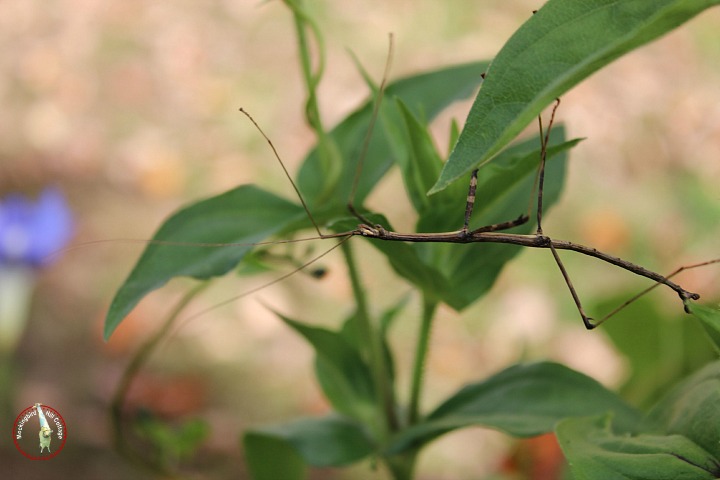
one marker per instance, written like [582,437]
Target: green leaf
[343,374]
[524,401]
[669,349]
[244,215]
[692,409]
[426,93]
[173,442]
[270,457]
[559,46]
[421,165]
[594,452]
[330,441]
[709,319]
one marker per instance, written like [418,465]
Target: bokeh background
[131,108]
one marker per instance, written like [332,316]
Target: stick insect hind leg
[589,322]
[544,140]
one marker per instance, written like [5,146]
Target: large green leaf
[330,441]
[595,452]
[559,46]
[425,94]
[523,400]
[244,215]
[670,348]
[692,409]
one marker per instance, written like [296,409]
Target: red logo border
[32,457]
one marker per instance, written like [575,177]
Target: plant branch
[376,357]
[421,351]
[141,357]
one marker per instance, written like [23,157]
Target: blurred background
[131,110]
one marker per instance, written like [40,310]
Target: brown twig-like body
[532,241]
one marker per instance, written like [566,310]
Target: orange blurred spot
[605,230]
[537,458]
[168,397]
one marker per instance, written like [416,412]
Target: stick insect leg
[587,321]
[544,141]
[470,201]
[469,209]
[368,136]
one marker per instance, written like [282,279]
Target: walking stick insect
[491,233]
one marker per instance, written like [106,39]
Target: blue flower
[31,231]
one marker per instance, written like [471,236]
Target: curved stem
[376,357]
[421,351]
[329,154]
[141,357]
[312,78]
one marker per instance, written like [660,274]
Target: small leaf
[559,46]
[594,452]
[330,441]
[246,214]
[523,400]
[709,319]
[421,165]
[270,457]
[428,93]
[343,374]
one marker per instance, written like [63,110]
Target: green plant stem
[402,467]
[421,350]
[376,357]
[329,154]
[312,78]
[120,440]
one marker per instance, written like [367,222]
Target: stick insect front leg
[544,140]
[496,227]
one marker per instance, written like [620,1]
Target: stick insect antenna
[368,135]
[287,174]
[264,285]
